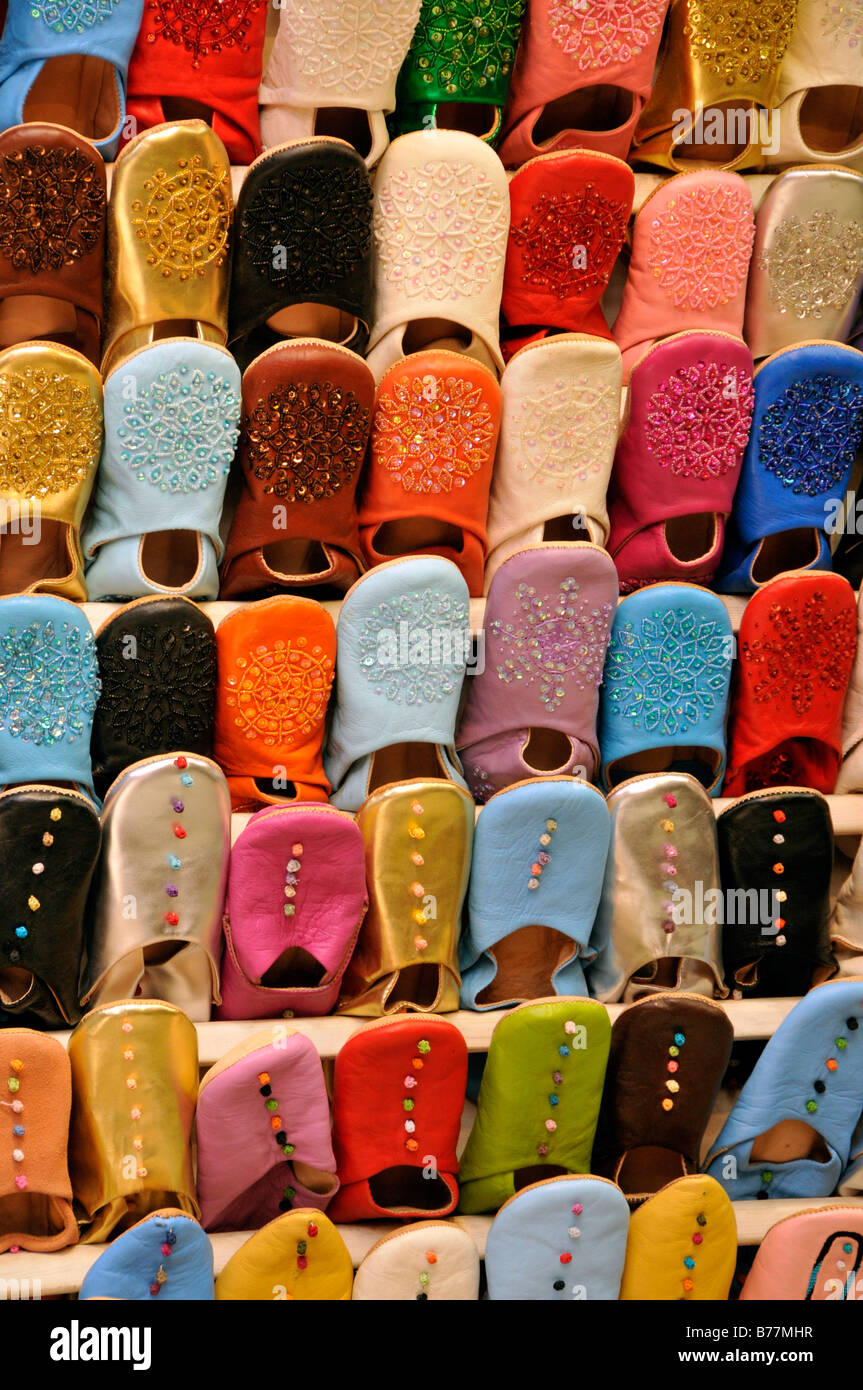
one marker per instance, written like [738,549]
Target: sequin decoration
[668,671]
[309,226]
[801,651]
[564,432]
[596,33]
[700,244]
[185,219]
[203,26]
[432,434]
[814,264]
[842,22]
[306,440]
[809,437]
[743,42]
[464,46]
[52,205]
[441,230]
[72,16]
[697,420]
[279,694]
[180,431]
[50,432]
[342,46]
[49,683]
[557,643]
[413,648]
[165,698]
[570,241]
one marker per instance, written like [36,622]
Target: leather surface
[127,1269]
[268,1268]
[434,1259]
[35,1189]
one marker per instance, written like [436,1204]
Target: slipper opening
[475,118]
[705,144]
[285,791]
[692,538]
[15,984]
[648,1168]
[566,528]
[419,985]
[315,1179]
[547,750]
[413,535]
[141,1204]
[426,333]
[699,762]
[526,960]
[36,558]
[831,119]
[171,559]
[348,124]
[402,762]
[793,763]
[402,1187]
[29,316]
[538,1172]
[295,968]
[783,551]
[603,108]
[309,320]
[787,1141]
[186,109]
[36,1213]
[294,559]
[77,91]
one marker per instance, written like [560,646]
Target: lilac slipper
[531,711]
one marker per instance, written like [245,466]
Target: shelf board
[63,1272]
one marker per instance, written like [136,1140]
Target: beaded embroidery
[308,226]
[203,26]
[49,683]
[432,433]
[464,46]
[306,440]
[804,650]
[843,20]
[559,223]
[813,265]
[344,45]
[436,638]
[597,33]
[700,244]
[280,694]
[558,643]
[181,430]
[809,437]
[565,432]
[441,230]
[53,208]
[743,42]
[50,432]
[185,219]
[697,421]
[669,671]
[165,698]
[72,15]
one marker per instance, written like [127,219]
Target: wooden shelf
[63,1272]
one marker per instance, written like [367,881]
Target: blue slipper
[66,62]
[789,1135]
[560,1240]
[165,1256]
[403,644]
[806,429]
[538,858]
[172,417]
[49,686]
[665,687]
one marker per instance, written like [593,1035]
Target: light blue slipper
[49,686]
[35,85]
[165,1256]
[536,877]
[172,415]
[560,1240]
[806,430]
[403,648]
[807,1090]
[665,688]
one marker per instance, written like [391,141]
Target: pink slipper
[678,460]
[296,899]
[532,711]
[263,1133]
[582,76]
[691,244]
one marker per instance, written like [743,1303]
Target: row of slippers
[561,1093]
[412,907]
[562,1239]
[580,77]
[564,681]
[441,249]
[442,460]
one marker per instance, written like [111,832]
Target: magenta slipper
[531,710]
